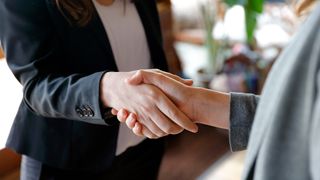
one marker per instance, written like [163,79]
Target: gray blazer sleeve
[315,135]
[242,112]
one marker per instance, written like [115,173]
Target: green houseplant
[208,15]
[252,9]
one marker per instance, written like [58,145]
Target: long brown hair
[78,12]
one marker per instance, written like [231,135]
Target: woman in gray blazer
[280,129]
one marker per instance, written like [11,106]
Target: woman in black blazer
[61,54]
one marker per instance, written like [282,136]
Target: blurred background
[225,45]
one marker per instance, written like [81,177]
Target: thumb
[136,79]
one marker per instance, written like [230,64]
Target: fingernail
[196,129]
[123,115]
[131,116]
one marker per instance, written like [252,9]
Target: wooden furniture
[188,156]
[9,165]
[164,8]
[1,54]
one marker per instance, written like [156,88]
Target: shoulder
[32,7]
[22,4]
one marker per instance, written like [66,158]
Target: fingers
[160,129]
[122,115]
[131,120]
[114,112]
[137,129]
[152,127]
[188,82]
[136,79]
[153,77]
[171,111]
[146,132]
[165,124]
[172,88]
[141,130]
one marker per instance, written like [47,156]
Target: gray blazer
[282,131]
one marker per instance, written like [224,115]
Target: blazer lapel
[153,37]
[100,34]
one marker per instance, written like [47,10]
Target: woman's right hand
[158,114]
[201,105]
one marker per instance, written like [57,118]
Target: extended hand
[174,87]
[158,114]
[201,105]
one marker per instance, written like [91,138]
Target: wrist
[213,108]
[190,101]
[106,90]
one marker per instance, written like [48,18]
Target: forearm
[72,97]
[211,108]
[52,87]
[234,111]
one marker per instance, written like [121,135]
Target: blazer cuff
[94,112]
[242,112]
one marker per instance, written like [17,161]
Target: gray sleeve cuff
[242,112]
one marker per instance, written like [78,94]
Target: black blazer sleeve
[29,40]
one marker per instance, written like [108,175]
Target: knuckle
[177,131]
[172,130]
[140,71]
[153,94]
[159,133]
[150,136]
[120,118]
[177,78]
[136,132]
[160,77]
[175,114]
[154,137]
[168,129]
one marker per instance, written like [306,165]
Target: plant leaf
[252,9]
[232,2]
[251,22]
[256,5]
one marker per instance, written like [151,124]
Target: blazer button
[79,112]
[91,114]
[88,110]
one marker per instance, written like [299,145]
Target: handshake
[155,103]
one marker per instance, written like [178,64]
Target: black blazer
[60,121]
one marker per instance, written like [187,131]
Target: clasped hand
[149,108]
